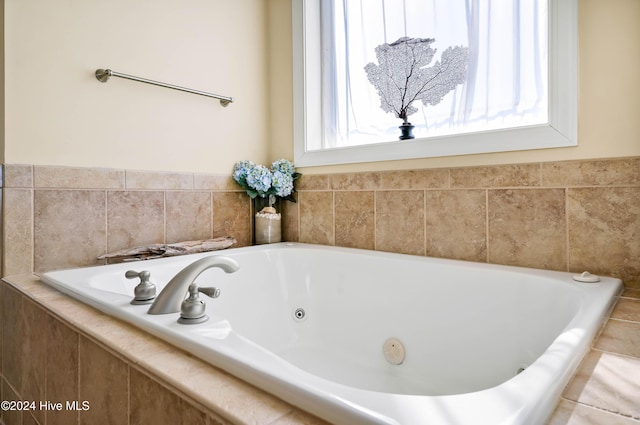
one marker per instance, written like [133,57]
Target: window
[535,108]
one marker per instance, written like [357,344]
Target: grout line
[106,222]
[78,368]
[486,224]
[128,364]
[375,220]
[613,353]
[425,249]
[567,222]
[212,215]
[624,320]
[630,297]
[164,216]
[333,207]
[540,174]
[596,408]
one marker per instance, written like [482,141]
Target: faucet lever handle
[145,292]
[210,292]
[144,275]
[192,309]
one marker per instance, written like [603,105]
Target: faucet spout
[171,297]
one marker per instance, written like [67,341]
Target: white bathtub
[483,344]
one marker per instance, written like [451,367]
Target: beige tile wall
[570,216]
[59,217]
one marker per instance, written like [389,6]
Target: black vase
[407,131]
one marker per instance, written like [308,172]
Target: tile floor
[606,388]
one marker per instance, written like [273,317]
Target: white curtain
[506,83]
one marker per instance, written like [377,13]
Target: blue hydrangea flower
[259,178]
[282,183]
[241,170]
[260,181]
[284,166]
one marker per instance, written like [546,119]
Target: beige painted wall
[57,113]
[609,104]
[1,81]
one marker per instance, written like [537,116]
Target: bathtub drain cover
[393,351]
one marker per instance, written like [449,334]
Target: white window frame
[560,131]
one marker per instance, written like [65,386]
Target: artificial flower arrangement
[268,184]
[263,182]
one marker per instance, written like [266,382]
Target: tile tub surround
[567,216]
[61,217]
[126,374]
[570,215]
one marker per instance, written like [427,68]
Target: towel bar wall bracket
[103,75]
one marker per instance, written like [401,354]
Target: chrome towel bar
[103,75]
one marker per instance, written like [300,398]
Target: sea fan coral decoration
[403,76]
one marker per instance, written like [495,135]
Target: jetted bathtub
[365,337]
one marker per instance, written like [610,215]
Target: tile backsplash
[60,217]
[569,215]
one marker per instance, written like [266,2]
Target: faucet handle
[145,292]
[210,291]
[192,309]
[144,275]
